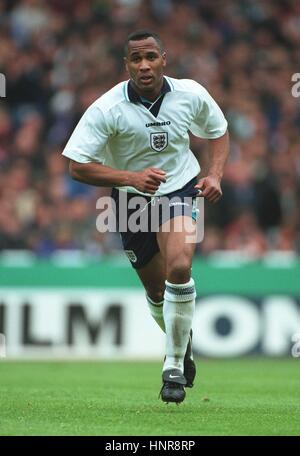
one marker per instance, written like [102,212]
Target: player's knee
[157,295]
[179,270]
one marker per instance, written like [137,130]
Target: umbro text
[158,124]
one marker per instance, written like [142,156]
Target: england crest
[159,141]
[131,255]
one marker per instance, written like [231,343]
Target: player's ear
[164,57]
[126,64]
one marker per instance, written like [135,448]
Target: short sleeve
[209,121]
[88,141]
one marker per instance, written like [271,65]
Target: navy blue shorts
[148,214]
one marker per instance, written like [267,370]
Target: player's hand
[149,180]
[210,188]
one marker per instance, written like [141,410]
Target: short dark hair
[142,35]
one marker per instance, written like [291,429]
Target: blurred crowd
[59,56]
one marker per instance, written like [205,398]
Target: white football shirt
[117,130]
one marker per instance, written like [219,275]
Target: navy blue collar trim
[135,98]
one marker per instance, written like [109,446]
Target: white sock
[178,311]
[156,310]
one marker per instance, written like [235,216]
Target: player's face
[145,63]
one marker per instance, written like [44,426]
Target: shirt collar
[134,97]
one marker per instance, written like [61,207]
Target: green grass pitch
[249,396]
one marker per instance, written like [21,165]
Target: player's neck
[149,95]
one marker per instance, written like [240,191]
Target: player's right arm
[146,181]
[86,150]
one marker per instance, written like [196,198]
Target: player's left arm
[210,185]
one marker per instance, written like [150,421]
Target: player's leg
[179,297]
[143,252]
[153,276]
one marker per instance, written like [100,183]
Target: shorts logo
[131,255]
[159,141]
